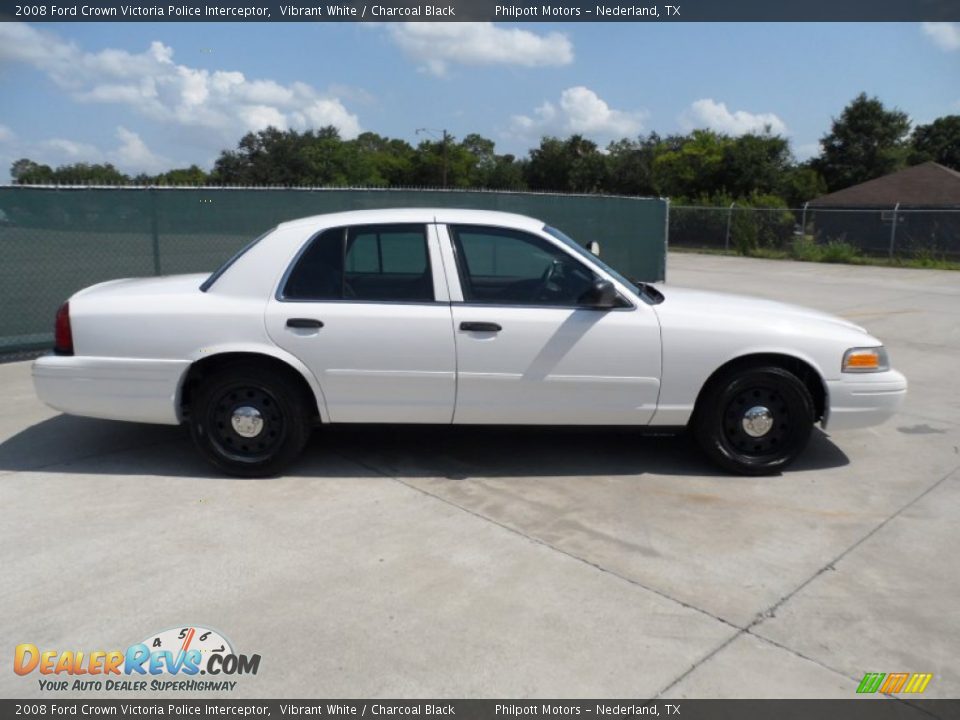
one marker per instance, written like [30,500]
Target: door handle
[304,323]
[480,327]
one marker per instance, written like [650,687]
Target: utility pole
[445,139]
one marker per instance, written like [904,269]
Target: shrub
[805,249]
[744,231]
[839,251]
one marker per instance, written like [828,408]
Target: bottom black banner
[854,709]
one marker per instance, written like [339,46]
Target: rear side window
[318,273]
[368,262]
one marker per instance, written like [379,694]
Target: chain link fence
[894,233]
[55,241]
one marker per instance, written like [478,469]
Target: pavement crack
[826,567]
[699,662]
[738,631]
[543,543]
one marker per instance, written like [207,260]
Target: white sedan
[453,316]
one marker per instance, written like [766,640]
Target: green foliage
[571,165]
[805,248]
[939,141]
[710,168]
[835,251]
[690,166]
[192,175]
[800,184]
[630,166]
[286,157]
[753,164]
[443,164]
[838,251]
[388,161]
[27,172]
[865,142]
[762,222]
[322,158]
[928,258]
[756,222]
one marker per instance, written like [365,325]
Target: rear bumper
[864,399]
[111,388]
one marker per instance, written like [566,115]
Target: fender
[261,349]
[679,413]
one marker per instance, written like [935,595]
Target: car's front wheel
[754,421]
[249,421]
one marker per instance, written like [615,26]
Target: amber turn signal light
[866,360]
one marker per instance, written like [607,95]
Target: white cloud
[134,156]
[6,134]
[946,35]
[131,154]
[69,151]
[580,110]
[713,115]
[152,84]
[438,44]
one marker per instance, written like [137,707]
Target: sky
[148,97]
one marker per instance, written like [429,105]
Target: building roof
[927,185]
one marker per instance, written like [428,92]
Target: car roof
[424,215]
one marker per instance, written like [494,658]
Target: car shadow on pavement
[65,445]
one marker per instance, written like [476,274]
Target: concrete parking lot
[444,562]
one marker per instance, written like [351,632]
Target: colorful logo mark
[893,683]
[188,650]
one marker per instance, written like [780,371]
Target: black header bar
[195,709]
[480,10]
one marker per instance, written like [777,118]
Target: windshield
[582,251]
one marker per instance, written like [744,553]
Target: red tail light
[63,336]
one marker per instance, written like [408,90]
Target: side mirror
[593,247]
[601,296]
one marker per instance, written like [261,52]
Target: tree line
[866,141]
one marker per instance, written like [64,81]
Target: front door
[362,309]
[529,353]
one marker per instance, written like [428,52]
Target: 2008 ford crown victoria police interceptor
[453,316]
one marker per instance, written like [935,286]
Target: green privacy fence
[55,241]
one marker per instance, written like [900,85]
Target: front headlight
[861,360]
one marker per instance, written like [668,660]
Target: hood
[138,287]
[704,302]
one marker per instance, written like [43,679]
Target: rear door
[529,352]
[365,310]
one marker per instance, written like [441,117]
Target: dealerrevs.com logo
[172,660]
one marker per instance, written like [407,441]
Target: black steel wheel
[754,421]
[249,420]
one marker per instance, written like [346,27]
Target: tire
[766,443]
[249,420]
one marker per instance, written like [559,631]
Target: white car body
[643,364]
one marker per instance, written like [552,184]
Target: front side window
[507,267]
[368,262]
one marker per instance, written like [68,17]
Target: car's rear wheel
[249,421]
[754,421]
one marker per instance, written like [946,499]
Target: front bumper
[860,400]
[111,388]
